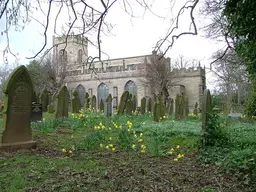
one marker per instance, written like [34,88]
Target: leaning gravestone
[62,103]
[37,112]
[17,111]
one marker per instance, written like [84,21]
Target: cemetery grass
[89,152]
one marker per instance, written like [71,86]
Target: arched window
[63,56]
[81,94]
[102,93]
[79,56]
[131,87]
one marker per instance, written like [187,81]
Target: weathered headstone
[206,108]
[75,103]
[93,102]
[143,105]
[62,103]
[17,111]
[108,106]
[44,99]
[37,112]
[149,106]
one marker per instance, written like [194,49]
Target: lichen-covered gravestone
[75,103]
[17,111]
[44,99]
[62,103]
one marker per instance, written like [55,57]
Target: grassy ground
[89,152]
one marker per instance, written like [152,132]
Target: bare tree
[44,74]
[232,78]
[158,75]
[90,17]
[4,74]
[182,62]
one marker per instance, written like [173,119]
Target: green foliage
[241,19]
[125,139]
[214,134]
[93,140]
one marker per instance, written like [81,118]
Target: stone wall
[116,73]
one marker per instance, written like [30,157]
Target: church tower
[70,55]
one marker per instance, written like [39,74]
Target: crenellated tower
[71,55]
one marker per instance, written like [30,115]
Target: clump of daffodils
[98,127]
[68,151]
[129,124]
[173,151]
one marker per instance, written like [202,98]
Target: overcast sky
[130,37]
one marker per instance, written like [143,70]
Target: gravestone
[62,103]
[37,112]
[108,106]
[44,99]
[75,103]
[235,115]
[52,105]
[81,92]
[17,111]
[93,103]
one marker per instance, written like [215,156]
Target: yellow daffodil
[177,147]
[175,159]
[110,145]
[133,146]
[143,147]
[141,134]
[172,149]
[64,150]
[140,140]
[179,156]
[164,117]
[110,138]
[113,149]
[120,126]
[170,153]
[107,147]
[101,145]
[70,151]
[100,124]
[143,151]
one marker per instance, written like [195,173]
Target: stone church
[115,76]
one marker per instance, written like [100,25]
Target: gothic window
[79,56]
[131,87]
[102,92]
[81,92]
[63,56]
[115,98]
